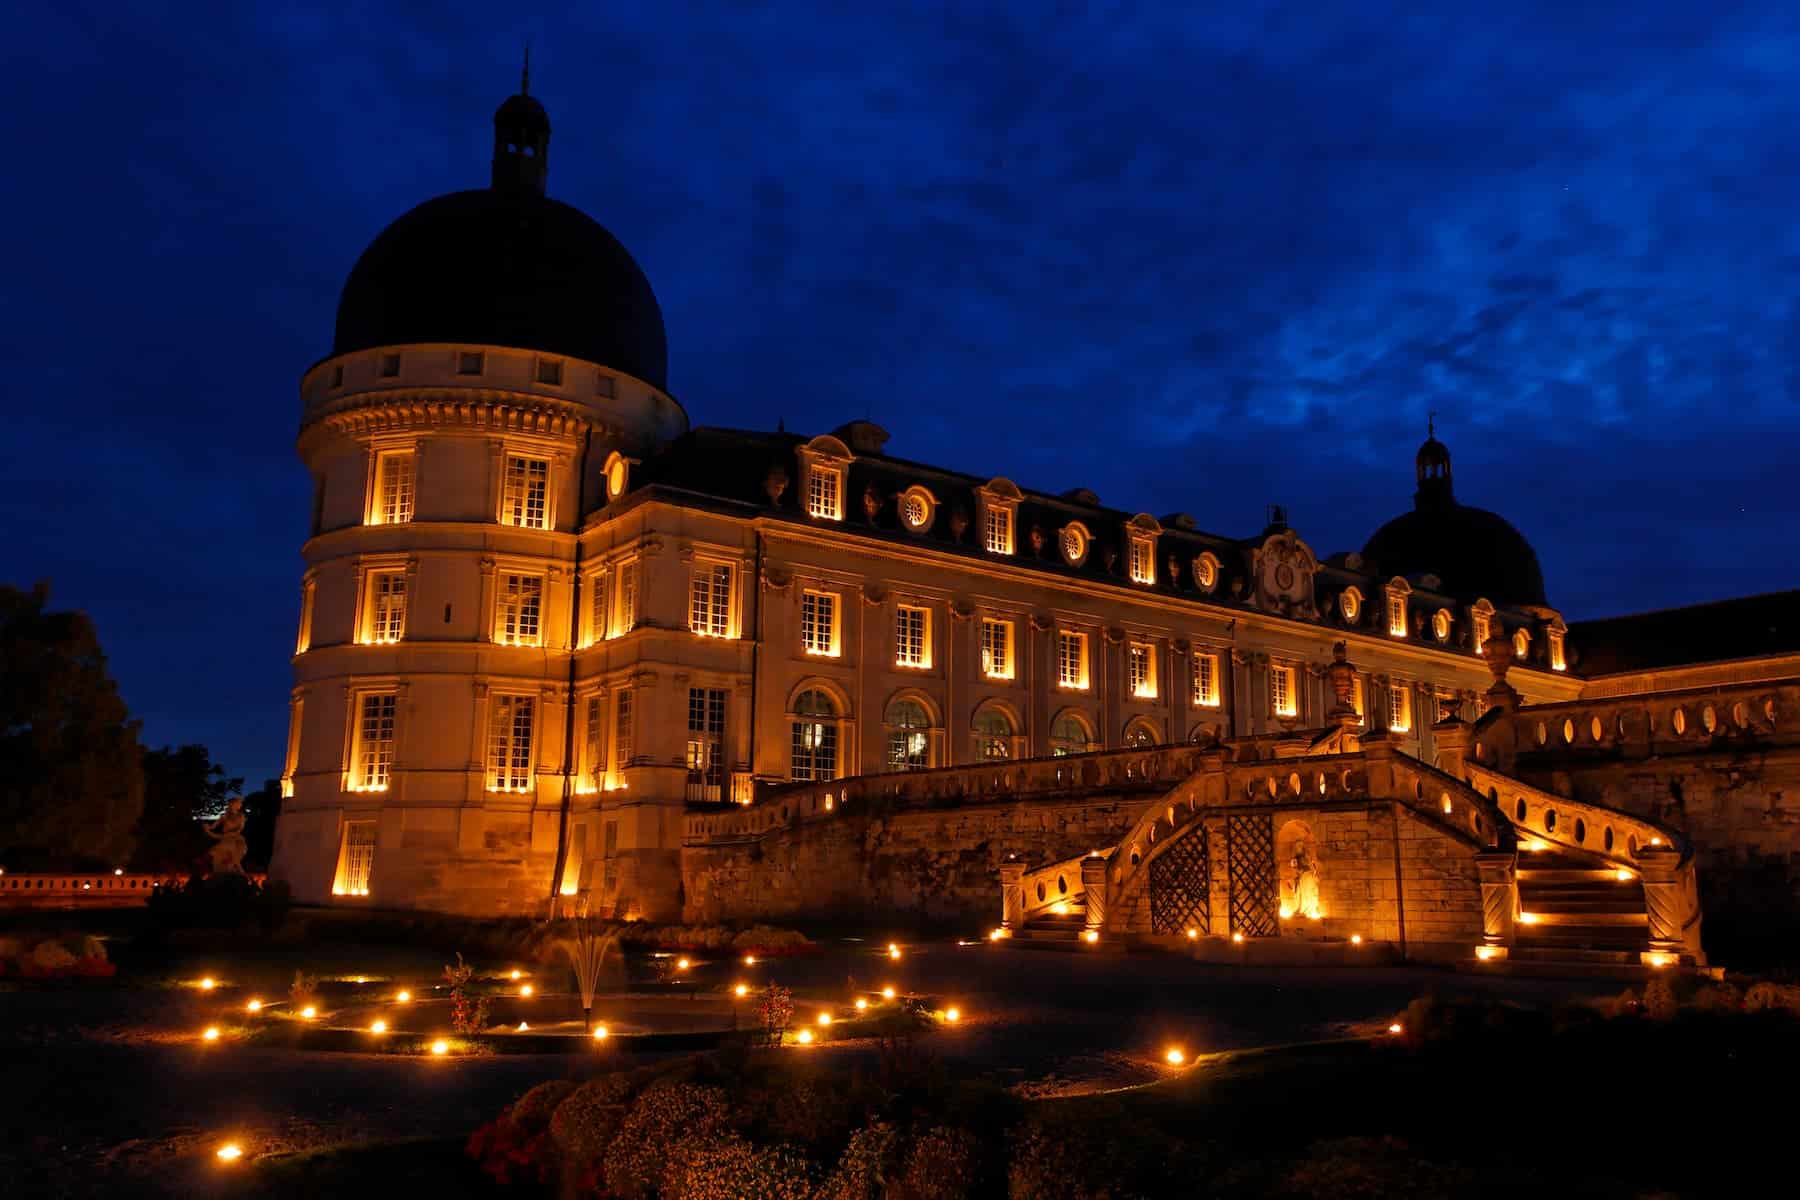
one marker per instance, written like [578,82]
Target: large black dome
[506,266]
[1475,553]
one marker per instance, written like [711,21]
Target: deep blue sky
[1196,264]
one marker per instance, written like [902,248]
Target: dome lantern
[521,138]
[1432,465]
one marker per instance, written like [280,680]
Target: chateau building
[554,638]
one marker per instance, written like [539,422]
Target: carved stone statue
[227,834]
[1300,887]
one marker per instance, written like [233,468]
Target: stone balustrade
[101,890]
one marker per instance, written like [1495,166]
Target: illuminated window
[384,619]
[1074,541]
[393,488]
[1282,697]
[1143,559]
[999,529]
[594,745]
[1140,660]
[597,610]
[908,736]
[813,756]
[549,370]
[1479,618]
[1070,734]
[819,623]
[709,600]
[525,496]
[1357,700]
[1350,604]
[518,607]
[625,615]
[1206,571]
[916,509]
[996,648]
[912,636]
[1071,659]
[825,492]
[706,744]
[994,735]
[1400,707]
[372,755]
[509,744]
[1557,660]
[1440,625]
[356,859]
[1521,643]
[1396,614]
[622,747]
[303,639]
[1206,680]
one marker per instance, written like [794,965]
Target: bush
[584,1122]
[868,1162]
[225,903]
[468,1011]
[664,1119]
[1719,997]
[1093,1153]
[1767,995]
[942,1164]
[303,991]
[535,1108]
[733,1169]
[1659,999]
[1374,1169]
[515,1147]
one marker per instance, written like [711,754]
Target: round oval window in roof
[1206,571]
[617,471]
[1350,604]
[1440,625]
[916,508]
[1074,539]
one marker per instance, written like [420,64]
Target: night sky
[1197,265]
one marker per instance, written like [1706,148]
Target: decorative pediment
[1284,568]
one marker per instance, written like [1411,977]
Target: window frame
[357,775]
[1399,706]
[1080,679]
[826,732]
[1290,690]
[712,598]
[502,591]
[1205,696]
[515,508]
[1141,558]
[814,641]
[917,743]
[1002,666]
[822,503]
[1140,669]
[355,860]
[904,637]
[405,487]
[506,771]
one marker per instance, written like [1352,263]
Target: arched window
[1140,733]
[908,736]
[1070,734]
[815,737]
[994,735]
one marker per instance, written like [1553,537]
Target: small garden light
[379,1026]
[1396,1028]
[229,1152]
[741,990]
[1193,935]
[861,1004]
[515,973]
[893,950]
[403,996]
[440,1047]
[1623,876]
[824,1018]
[1090,936]
[523,1027]
[953,1015]
[309,1012]
[253,1006]
[682,964]
[995,935]
[211,1034]
[1356,939]
[804,1037]
[599,1033]
[1238,938]
[208,984]
[1174,1057]
[749,960]
[887,993]
[525,990]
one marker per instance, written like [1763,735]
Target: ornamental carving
[1283,569]
[1041,622]
[961,610]
[874,593]
[959,523]
[775,483]
[776,580]
[1037,539]
[871,503]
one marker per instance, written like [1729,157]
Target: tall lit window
[1558,662]
[525,498]
[912,636]
[815,738]
[1071,659]
[1140,663]
[509,744]
[709,600]
[518,609]
[1396,607]
[1281,691]
[999,529]
[908,736]
[622,746]
[594,744]
[706,744]
[625,612]
[996,648]
[993,736]
[356,859]
[1358,702]
[819,623]
[1070,734]
[291,764]
[1143,559]
[597,610]
[1478,617]
[386,618]
[393,488]
[1399,707]
[1521,643]
[825,492]
[1206,679]
[372,755]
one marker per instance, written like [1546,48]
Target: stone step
[1580,904]
[1577,938]
[1553,917]
[1568,969]
[1582,875]
[1572,954]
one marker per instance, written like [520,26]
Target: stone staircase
[1055,931]
[1575,910]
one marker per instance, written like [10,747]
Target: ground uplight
[953,1015]
[309,1012]
[861,1003]
[403,997]
[440,1047]
[208,984]
[1396,1028]
[253,1006]
[682,964]
[893,950]
[229,1152]
[824,1018]
[741,990]
[599,1033]
[211,1034]
[887,993]
[1174,1056]
[749,960]
[804,1037]
[1356,939]
[525,990]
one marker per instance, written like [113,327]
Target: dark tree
[181,786]
[70,783]
[261,807]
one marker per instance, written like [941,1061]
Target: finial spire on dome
[525,72]
[1430,417]
[521,137]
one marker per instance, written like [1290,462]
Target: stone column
[1499,901]
[1012,896]
[1452,746]
[1666,902]
[1093,884]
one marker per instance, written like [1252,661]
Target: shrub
[1659,999]
[234,903]
[1767,995]
[1093,1153]
[509,1152]
[586,1119]
[303,991]
[777,1011]
[866,1165]
[1374,1169]
[664,1118]
[535,1108]
[49,957]
[468,1010]
[734,1169]
[942,1164]
[1719,997]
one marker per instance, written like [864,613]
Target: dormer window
[1397,592]
[823,462]
[1350,603]
[1557,633]
[1206,571]
[999,526]
[1481,619]
[999,503]
[1521,643]
[1143,559]
[1440,625]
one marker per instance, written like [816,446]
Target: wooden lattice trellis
[1181,885]
[1250,860]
